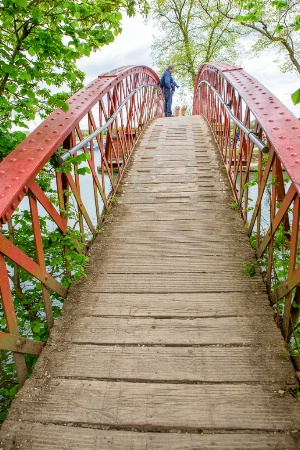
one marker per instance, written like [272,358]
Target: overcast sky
[133,47]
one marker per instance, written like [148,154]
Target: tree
[41,42]
[275,23]
[191,35]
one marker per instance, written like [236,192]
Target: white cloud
[282,85]
[133,47]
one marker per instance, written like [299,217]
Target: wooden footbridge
[165,344]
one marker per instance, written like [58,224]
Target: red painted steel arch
[280,125]
[44,141]
[224,93]
[125,99]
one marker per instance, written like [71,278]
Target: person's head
[170,69]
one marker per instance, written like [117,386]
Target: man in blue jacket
[168,90]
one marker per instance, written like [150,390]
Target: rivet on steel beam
[25,189]
[8,186]
[21,171]
[52,118]
[294,128]
[281,137]
[2,172]
[39,132]
[23,149]
[46,126]
[30,159]
[297,161]
[15,178]
[31,140]
[47,140]
[13,160]
[61,125]
[275,128]
[276,107]
[58,113]
[2,195]
[19,197]
[293,154]
[6,216]
[287,120]
[55,132]
[13,206]
[271,120]
[67,118]
[281,113]
[39,149]
[289,147]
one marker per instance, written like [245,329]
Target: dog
[177,111]
[183,110]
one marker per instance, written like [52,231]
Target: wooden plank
[48,437]
[172,305]
[170,282]
[236,331]
[165,334]
[149,406]
[123,266]
[270,365]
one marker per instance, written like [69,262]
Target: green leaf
[296,97]
[31,51]
[37,327]
[13,391]
[82,171]
[65,107]
[22,3]
[12,88]
[86,51]
[280,4]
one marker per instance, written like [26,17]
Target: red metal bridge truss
[250,125]
[115,108]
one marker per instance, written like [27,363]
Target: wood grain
[166,344]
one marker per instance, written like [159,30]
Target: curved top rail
[25,161]
[279,123]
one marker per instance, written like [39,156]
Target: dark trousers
[168,101]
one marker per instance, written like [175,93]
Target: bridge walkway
[166,345]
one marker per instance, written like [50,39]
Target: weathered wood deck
[166,345]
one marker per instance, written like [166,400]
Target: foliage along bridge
[166,344]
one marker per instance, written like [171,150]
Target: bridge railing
[54,188]
[259,140]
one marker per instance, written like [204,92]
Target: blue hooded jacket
[168,80]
